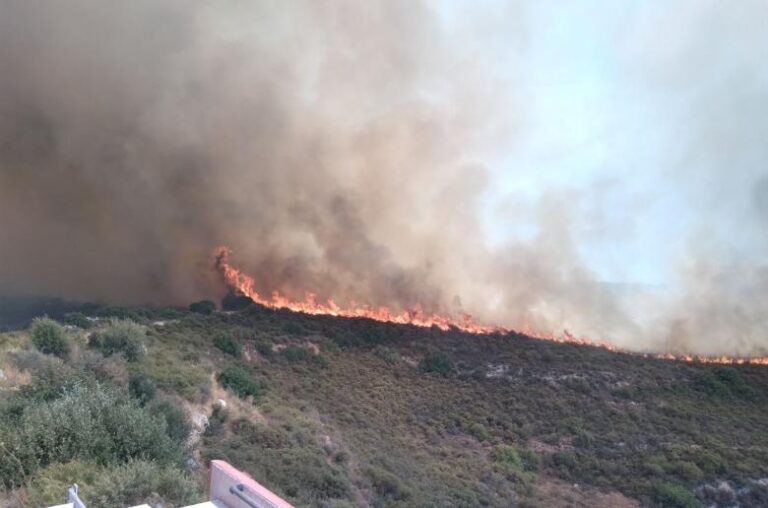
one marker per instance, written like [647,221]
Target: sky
[604,112]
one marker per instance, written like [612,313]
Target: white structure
[227,488]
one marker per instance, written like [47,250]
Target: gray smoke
[338,147]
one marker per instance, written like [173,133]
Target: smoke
[339,147]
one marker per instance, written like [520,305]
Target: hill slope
[358,413]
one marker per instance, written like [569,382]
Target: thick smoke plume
[337,147]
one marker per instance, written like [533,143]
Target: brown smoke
[335,146]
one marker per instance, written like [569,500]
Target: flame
[245,285]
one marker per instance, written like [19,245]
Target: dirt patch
[553,492]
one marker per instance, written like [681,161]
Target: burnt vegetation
[349,412]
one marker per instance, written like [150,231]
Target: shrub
[142,388]
[122,336]
[205,307]
[228,345]
[77,319]
[387,354]
[673,496]
[264,347]
[143,482]
[216,422]
[479,431]
[280,459]
[240,381]
[122,485]
[50,484]
[293,328]
[296,354]
[507,458]
[387,485]
[177,423]
[93,423]
[531,460]
[235,302]
[49,337]
[437,363]
[117,312]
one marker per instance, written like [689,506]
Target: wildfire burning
[245,285]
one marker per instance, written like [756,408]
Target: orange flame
[246,286]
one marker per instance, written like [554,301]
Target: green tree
[49,337]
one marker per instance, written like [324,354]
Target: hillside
[349,412]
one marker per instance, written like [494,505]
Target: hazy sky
[628,100]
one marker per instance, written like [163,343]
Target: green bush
[117,312]
[669,495]
[241,382]
[142,388]
[121,336]
[177,423]
[264,347]
[287,462]
[77,319]
[93,423]
[228,345]
[436,362]
[136,482]
[389,355]
[205,307]
[507,458]
[296,354]
[49,337]
[387,485]
[531,460]
[479,431]
[50,484]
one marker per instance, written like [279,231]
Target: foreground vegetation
[336,412]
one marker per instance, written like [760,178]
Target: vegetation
[436,362]
[205,307]
[228,345]
[122,336]
[240,381]
[129,484]
[49,337]
[399,415]
[142,388]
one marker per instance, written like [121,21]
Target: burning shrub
[241,382]
[228,345]
[49,337]
[122,336]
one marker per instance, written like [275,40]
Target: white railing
[73,498]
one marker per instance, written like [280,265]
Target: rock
[220,404]
[199,420]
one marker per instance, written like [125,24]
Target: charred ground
[343,412]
